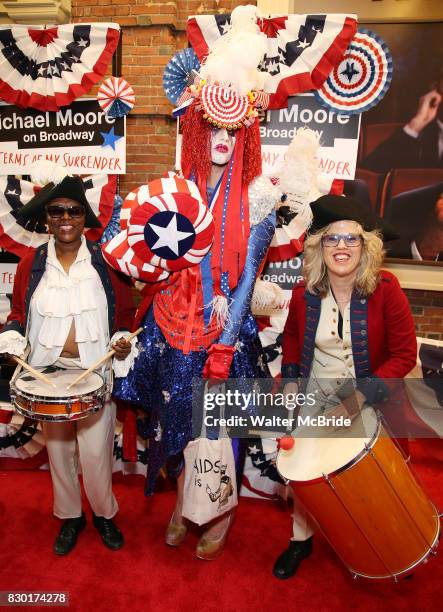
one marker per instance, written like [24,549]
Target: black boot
[111,535]
[69,532]
[288,562]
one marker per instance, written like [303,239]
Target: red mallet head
[286,443]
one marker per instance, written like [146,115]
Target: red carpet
[147,575]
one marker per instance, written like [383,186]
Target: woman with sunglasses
[348,321]
[66,305]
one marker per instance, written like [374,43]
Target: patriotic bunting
[15,193]
[48,68]
[361,79]
[178,73]
[116,97]
[301,49]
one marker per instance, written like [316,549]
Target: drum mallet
[102,360]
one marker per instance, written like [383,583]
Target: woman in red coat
[348,321]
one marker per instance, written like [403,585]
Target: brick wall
[427,309]
[151,33]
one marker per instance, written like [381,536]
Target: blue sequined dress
[161,380]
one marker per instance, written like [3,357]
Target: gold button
[334,310]
[334,320]
[333,333]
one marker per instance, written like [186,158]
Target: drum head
[28,384]
[329,451]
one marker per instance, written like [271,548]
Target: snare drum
[364,497]
[35,399]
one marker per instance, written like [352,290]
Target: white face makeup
[342,260]
[222,146]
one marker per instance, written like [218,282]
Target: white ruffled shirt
[59,300]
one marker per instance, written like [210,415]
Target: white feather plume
[220,310]
[299,176]
[234,57]
[266,298]
[45,171]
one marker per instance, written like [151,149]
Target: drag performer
[66,305]
[200,324]
[349,320]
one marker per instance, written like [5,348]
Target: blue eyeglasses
[333,240]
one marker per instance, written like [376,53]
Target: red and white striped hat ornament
[166,227]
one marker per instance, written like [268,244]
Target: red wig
[196,147]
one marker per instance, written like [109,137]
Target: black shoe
[111,535]
[288,562]
[69,532]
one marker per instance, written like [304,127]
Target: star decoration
[161,346]
[41,71]
[350,71]
[253,450]
[158,433]
[303,44]
[238,346]
[226,27]
[272,66]
[82,42]
[109,138]
[169,236]
[12,192]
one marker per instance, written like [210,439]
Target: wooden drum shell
[374,513]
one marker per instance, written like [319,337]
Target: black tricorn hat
[70,187]
[331,208]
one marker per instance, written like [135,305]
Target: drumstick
[35,373]
[102,360]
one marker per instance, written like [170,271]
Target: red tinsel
[196,147]
[196,160]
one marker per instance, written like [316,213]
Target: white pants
[303,527]
[92,440]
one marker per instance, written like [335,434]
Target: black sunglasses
[57,212]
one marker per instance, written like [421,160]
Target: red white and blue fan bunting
[116,97]
[166,227]
[301,49]
[178,73]
[48,68]
[361,79]
[14,193]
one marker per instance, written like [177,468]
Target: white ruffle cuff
[122,367]
[12,342]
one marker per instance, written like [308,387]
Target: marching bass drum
[358,487]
